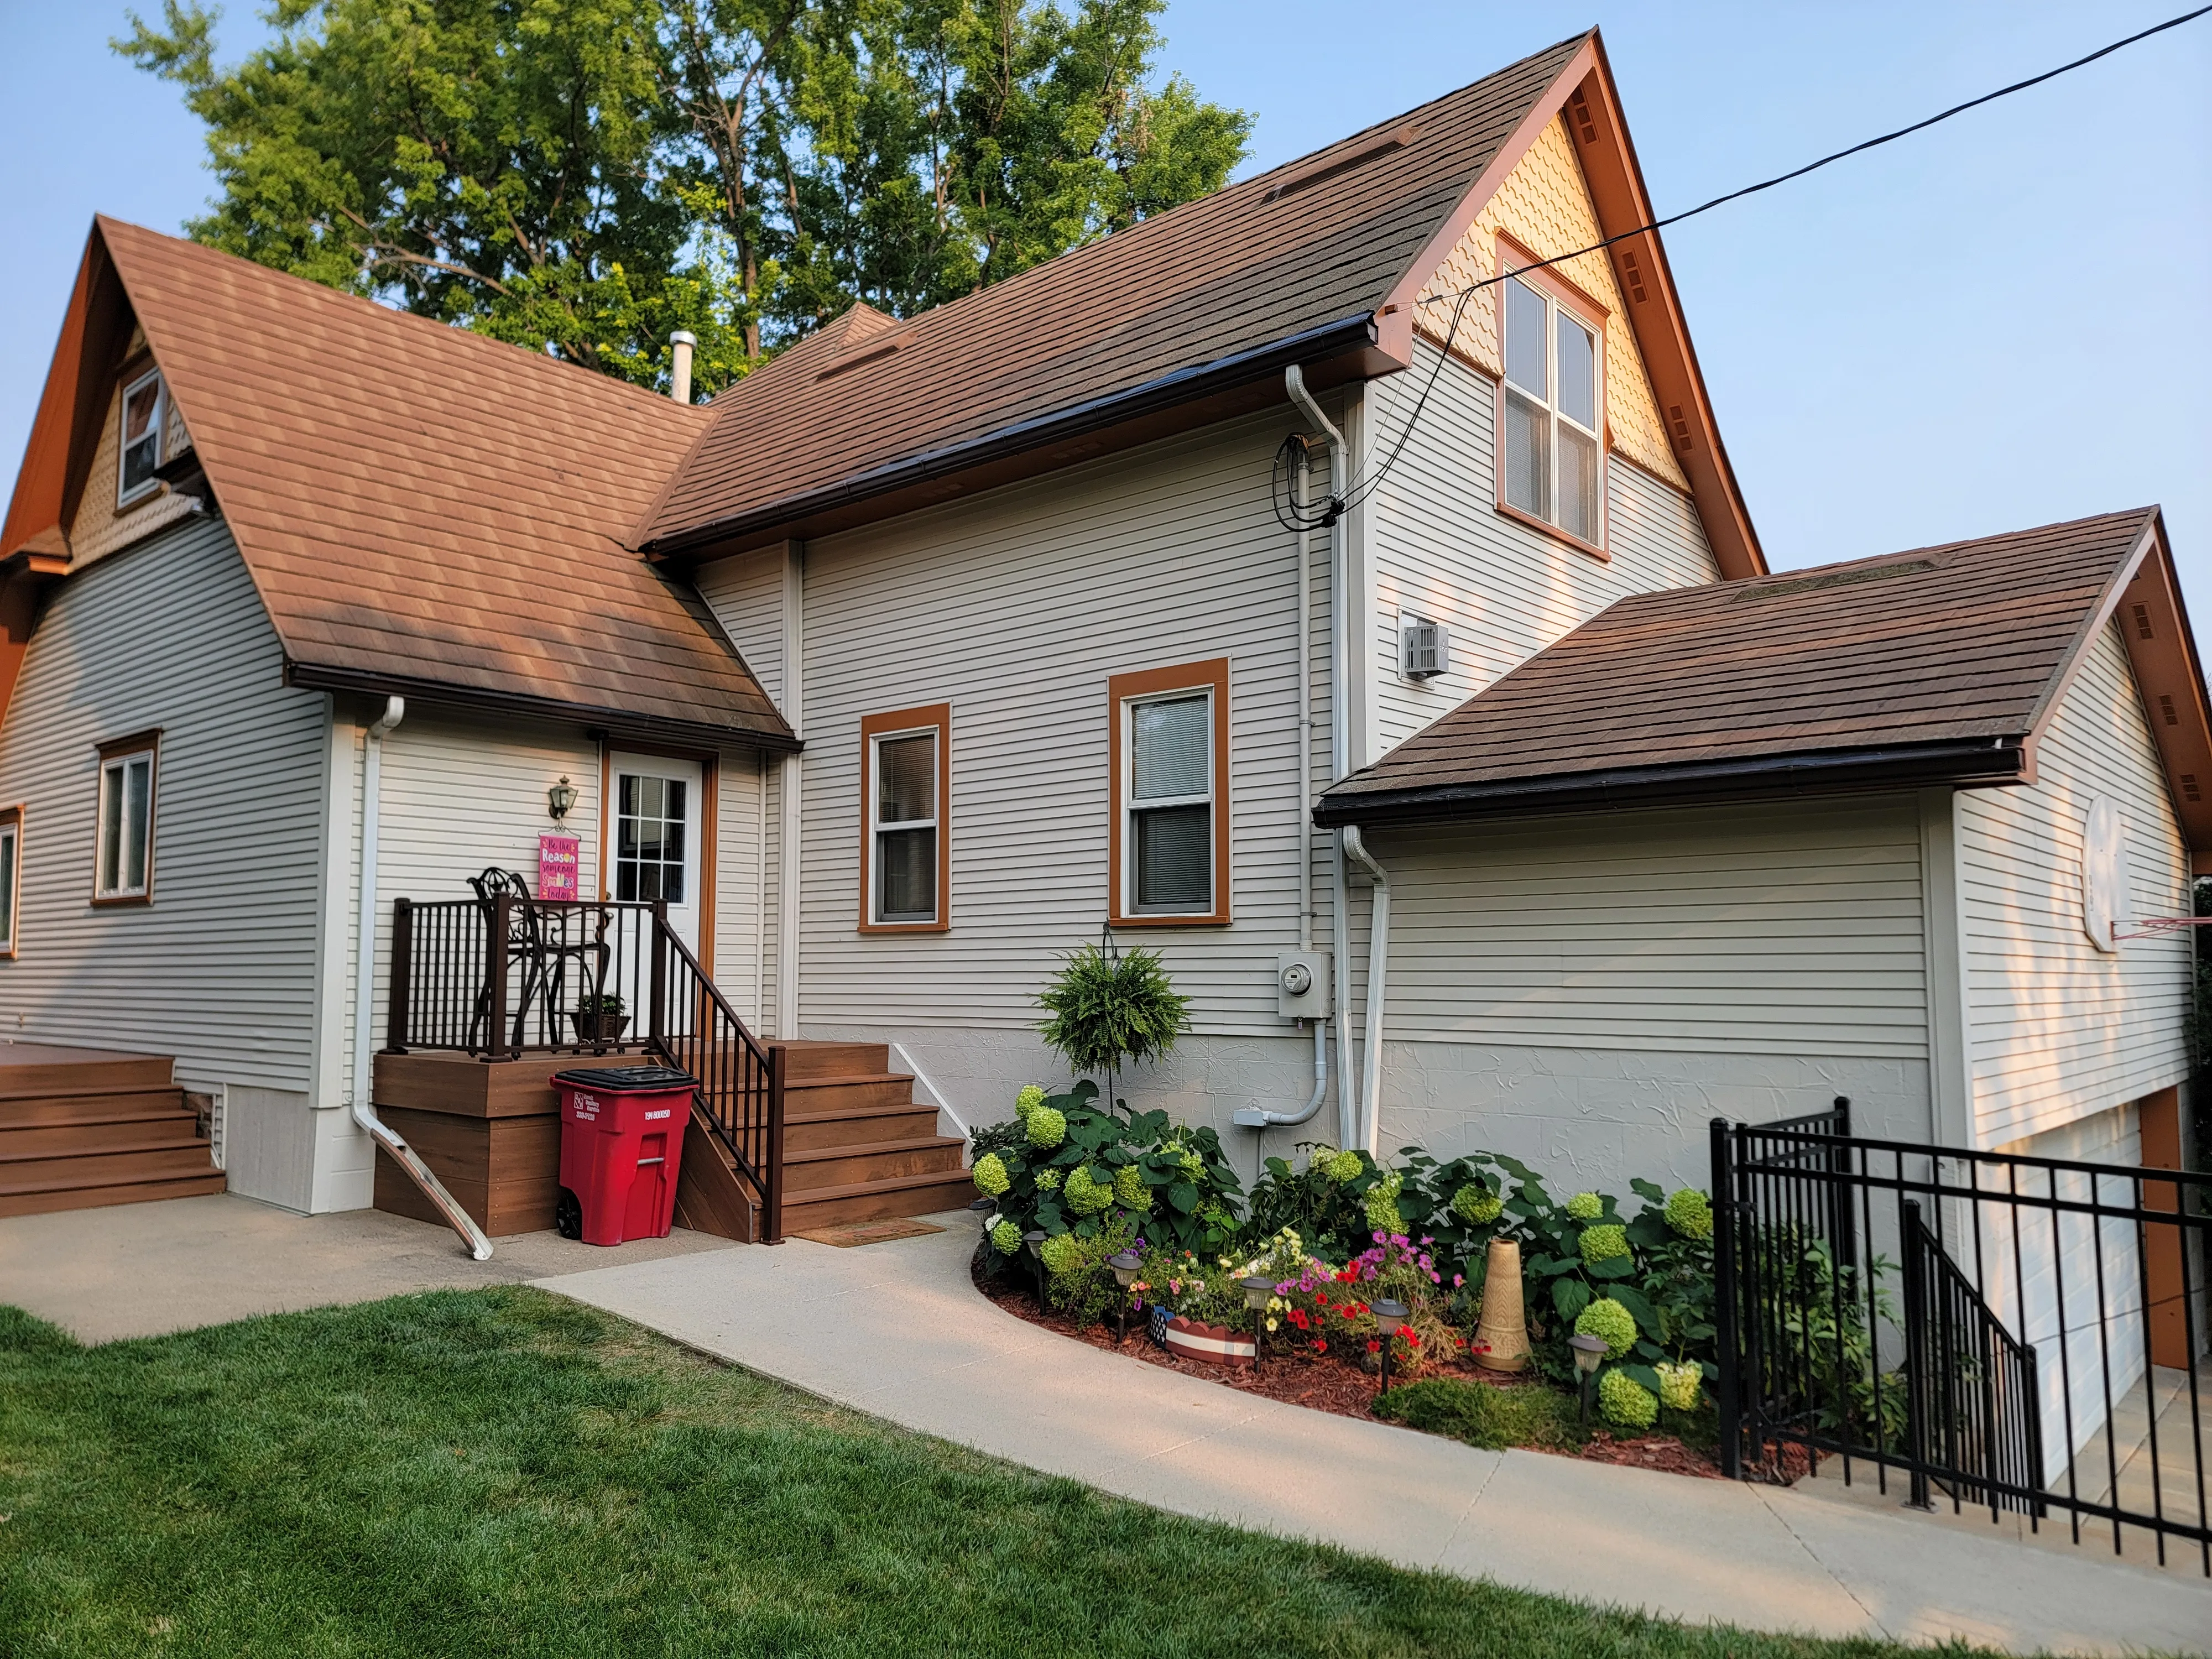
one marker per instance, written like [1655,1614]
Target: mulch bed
[1339,1385]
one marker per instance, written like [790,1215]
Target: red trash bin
[622,1145]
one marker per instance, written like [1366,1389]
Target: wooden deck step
[866,1161]
[873,1200]
[809,1131]
[807,1059]
[42,1111]
[76,1140]
[98,1195]
[815,1096]
[83,1127]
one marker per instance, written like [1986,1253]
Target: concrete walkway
[895,1329]
[148,1269]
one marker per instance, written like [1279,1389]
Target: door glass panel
[1173,741]
[650,839]
[1524,338]
[1175,859]
[1577,373]
[137,820]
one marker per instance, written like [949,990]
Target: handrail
[740,1080]
[498,977]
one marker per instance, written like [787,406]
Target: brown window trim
[147,742]
[1512,258]
[1210,675]
[11,818]
[939,715]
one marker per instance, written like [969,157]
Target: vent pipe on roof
[679,369]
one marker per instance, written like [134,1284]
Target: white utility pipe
[1264,1117]
[364,1002]
[1378,961]
[1340,743]
[680,345]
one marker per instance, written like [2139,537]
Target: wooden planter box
[490,1129]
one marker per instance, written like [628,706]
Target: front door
[653,849]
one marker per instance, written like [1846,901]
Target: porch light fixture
[1259,1290]
[1388,1317]
[560,799]
[1590,1354]
[1125,1268]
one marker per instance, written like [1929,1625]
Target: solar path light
[1388,1317]
[1259,1290]
[1125,1268]
[1590,1354]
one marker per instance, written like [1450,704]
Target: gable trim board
[696,518]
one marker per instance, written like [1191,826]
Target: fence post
[660,994]
[1915,1352]
[772,1198]
[502,910]
[398,1022]
[1730,1391]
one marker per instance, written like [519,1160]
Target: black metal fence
[2005,1333]
[507,974]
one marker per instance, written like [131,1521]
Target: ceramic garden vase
[1501,1335]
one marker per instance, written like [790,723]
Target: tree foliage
[585,176]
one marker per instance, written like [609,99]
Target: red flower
[1374,1347]
[1412,1338]
[1321,1345]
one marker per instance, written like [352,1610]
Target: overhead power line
[1296,516]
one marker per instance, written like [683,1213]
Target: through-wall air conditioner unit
[1424,647]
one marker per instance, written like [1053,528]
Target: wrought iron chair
[539,945]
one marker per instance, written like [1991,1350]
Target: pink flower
[1458,1279]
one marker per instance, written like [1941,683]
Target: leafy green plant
[1325,1201]
[1485,1413]
[1107,1008]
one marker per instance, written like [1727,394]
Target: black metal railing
[507,974]
[2008,1333]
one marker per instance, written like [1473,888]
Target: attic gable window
[1552,450]
[142,408]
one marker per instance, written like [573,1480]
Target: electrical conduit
[1339,741]
[364,1004]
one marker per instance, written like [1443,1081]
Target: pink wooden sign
[556,866]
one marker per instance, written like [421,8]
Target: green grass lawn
[503,1472]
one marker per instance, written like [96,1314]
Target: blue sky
[2002,322]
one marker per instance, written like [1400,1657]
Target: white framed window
[11,875]
[1171,789]
[905,849]
[652,851]
[144,404]
[1551,405]
[123,863]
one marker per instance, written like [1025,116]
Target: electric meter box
[1302,985]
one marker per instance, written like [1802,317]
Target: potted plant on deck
[599,1018]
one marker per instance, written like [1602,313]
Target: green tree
[585,176]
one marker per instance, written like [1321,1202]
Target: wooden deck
[83,1127]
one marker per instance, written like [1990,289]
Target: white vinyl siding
[2059,1029]
[1505,590]
[1016,609]
[1793,928]
[745,593]
[220,969]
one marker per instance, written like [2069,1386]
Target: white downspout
[364,1000]
[794,826]
[1378,962]
[1262,1117]
[1340,743]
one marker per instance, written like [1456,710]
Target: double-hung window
[11,874]
[1551,409]
[1170,840]
[905,852]
[123,859]
[143,409]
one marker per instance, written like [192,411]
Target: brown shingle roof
[1211,280]
[1938,664]
[425,508]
